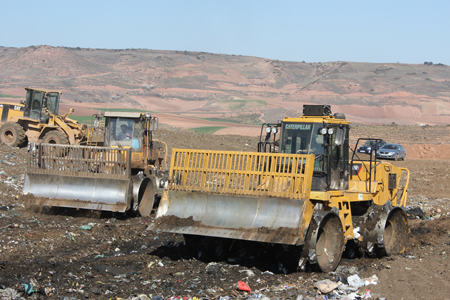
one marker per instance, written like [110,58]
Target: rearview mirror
[340,136]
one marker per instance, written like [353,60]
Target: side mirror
[340,136]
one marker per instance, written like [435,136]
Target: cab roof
[121,114]
[41,90]
[316,119]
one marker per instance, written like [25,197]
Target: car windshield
[390,147]
[369,143]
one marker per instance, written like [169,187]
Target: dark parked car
[394,151]
[371,145]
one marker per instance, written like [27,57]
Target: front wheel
[330,244]
[55,137]
[12,134]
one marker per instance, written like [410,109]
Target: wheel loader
[126,172]
[36,119]
[304,187]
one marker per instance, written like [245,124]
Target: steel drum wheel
[330,244]
[396,233]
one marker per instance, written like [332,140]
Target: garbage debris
[242,286]
[326,286]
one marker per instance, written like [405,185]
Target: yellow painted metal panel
[242,173]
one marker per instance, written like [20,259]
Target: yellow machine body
[301,189]
[37,120]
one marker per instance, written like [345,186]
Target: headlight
[391,153]
[323,131]
[368,148]
[330,131]
[274,130]
[268,129]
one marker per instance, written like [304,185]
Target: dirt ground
[115,257]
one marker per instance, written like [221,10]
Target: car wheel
[396,157]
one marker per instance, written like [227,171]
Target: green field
[124,109]
[82,119]
[207,130]
[9,96]
[87,119]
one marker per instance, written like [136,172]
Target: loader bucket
[238,195]
[85,177]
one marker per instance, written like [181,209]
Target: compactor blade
[79,192]
[97,178]
[264,219]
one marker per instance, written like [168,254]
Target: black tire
[330,244]
[395,234]
[55,137]
[12,134]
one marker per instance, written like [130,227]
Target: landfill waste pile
[76,254]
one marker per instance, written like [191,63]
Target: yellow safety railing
[242,173]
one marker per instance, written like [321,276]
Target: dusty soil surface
[113,256]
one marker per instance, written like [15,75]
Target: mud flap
[80,192]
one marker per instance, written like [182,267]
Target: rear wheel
[395,233]
[12,134]
[147,200]
[55,137]
[330,244]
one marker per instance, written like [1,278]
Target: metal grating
[242,173]
[79,161]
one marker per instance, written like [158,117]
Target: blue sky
[312,31]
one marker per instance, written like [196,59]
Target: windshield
[302,138]
[125,132]
[52,103]
[391,147]
[369,143]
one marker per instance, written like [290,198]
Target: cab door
[338,158]
[33,104]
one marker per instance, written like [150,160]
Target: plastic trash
[9,293]
[85,227]
[28,288]
[326,286]
[371,280]
[242,286]
[354,281]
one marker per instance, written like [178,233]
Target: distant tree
[425,63]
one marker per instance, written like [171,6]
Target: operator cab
[39,104]
[317,132]
[129,129]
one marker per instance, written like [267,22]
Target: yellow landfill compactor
[127,172]
[301,188]
[36,119]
